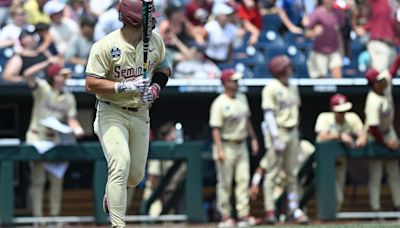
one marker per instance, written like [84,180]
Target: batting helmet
[130,12]
[278,64]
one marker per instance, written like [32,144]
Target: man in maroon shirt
[384,34]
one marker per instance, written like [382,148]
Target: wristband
[116,87]
[78,131]
[256,179]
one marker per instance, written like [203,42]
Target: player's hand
[151,94]
[254,191]
[318,30]
[346,139]
[360,142]
[137,85]
[279,145]
[392,144]
[220,155]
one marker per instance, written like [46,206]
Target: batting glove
[138,85]
[151,94]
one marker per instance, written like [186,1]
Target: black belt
[48,134]
[124,108]
[288,128]
[239,141]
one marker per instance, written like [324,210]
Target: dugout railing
[189,152]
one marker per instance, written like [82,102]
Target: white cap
[222,9]
[52,7]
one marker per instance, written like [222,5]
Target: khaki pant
[124,137]
[319,64]
[288,163]
[38,179]
[235,166]
[382,54]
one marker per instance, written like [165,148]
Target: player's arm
[158,82]
[76,126]
[253,137]
[327,136]
[395,67]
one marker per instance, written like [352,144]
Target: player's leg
[56,189]
[290,166]
[273,167]
[38,180]
[335,64]
[393,173]
[242,179]
[341,167]
[139,136]
[374,184]
[110,127]
[224,171]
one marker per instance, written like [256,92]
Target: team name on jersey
[134,71]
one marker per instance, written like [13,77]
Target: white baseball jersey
[115,59]
[326,123]
[379,110]
[284,101]
[230,115]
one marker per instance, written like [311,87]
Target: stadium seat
[350,71]
[249,55]
[299,41]
[245,70]
[300,71]
[268,38]
[271,22]
[273,51]
[261,71]
[5,55]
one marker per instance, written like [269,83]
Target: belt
[239,141]
[288,128]
[48,134]
[124,108]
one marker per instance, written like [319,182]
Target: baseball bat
[147,21]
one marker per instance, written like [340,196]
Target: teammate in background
[231,125]
[345,126]
[49,99]
[156,169]
[280,103]
[379,115]
[115,74]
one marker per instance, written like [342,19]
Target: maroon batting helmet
[278,64]
[130,12]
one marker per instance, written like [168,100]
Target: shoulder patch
[115,53]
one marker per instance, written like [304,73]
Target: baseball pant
[235,166]
[287,162]
[376,167]
[340,182]
[124,137]
[382,54]
[38,178]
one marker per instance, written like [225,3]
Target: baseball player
[49,101]
[345,126]
[280,103]
[379,115]
[231,125]
[115,74]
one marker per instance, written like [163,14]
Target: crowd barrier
[190,152]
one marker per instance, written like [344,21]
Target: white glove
[151,94]
[279,145]
[138,85]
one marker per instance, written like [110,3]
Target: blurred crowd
[323,38]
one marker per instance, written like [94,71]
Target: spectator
[62,29]
[78,9]
[79,48]
[220,34]
[4,11]
[250,17]
[280,104]
[45,39]
[324,26]
[34,11]
[267,7]
[294,13]
[198,11]
[379,116]
[156,169]
[28,62]
[108,21]
[384,33]
[98,7]
[231,125]
[9,34]
[50,100]
[344,126]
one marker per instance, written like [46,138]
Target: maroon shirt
[382,22]
[252,15]
[331,20]
[5,3]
